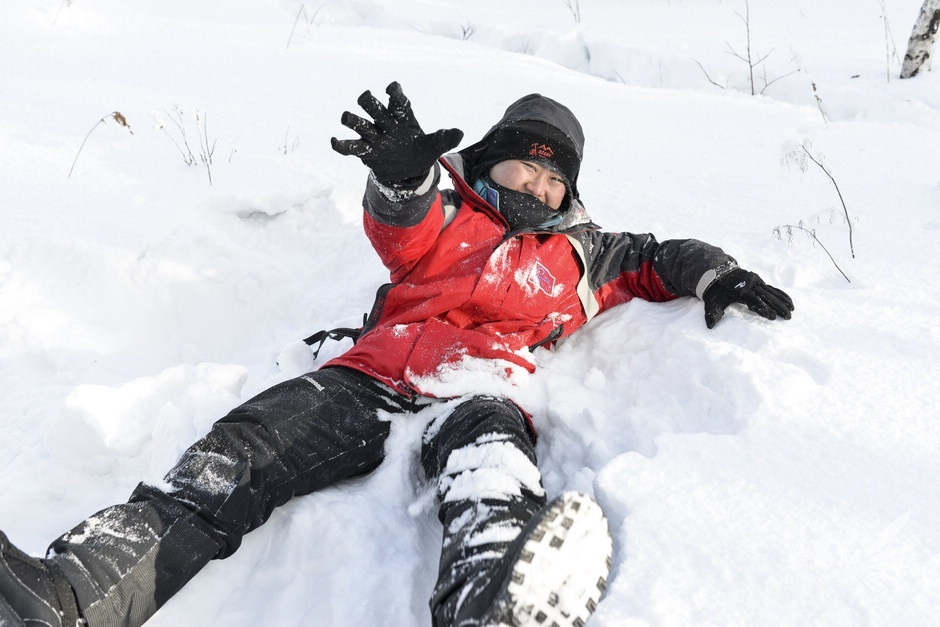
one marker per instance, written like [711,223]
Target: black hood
[536,108]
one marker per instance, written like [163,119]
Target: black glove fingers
[354,147]
[363,127]
[392,143]
[759,306]
[713,316]
[440,142]
[746,288]
[399,107]
[376,110]
[779,305]
[715,305]
[781,296]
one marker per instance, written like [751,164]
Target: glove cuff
[712,276]
[400,191]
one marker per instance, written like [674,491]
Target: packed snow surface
[173,222]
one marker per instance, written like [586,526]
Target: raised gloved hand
[741,286]
[393,145]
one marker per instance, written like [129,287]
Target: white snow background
[758,473]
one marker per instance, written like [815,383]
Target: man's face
[530,178]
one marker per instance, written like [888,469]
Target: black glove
[741,286]
[393,146]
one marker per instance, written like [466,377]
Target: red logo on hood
[542,151]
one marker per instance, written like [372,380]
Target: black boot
[116,568]
[126,561]
[507,558]
[33,591]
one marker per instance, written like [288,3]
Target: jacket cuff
[400,207]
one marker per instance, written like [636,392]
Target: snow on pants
[299,436]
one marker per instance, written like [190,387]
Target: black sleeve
[678,265]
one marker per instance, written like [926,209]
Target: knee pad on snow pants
[483,458]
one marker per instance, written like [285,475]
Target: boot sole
[562,568]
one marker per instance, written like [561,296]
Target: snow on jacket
[466,294]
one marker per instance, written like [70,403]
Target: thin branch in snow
[575,7]
[187,154]
[891,50]
[205,149]
[117,116]
[749,58]
[705,72]
[819,104]
[307,20]
[811,233]
[848,219]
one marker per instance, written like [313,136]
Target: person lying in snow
[481,275]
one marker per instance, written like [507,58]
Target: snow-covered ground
[759,473]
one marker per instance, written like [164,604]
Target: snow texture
[758,473]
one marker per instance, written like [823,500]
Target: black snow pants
[300,436]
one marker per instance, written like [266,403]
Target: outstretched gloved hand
[393,145]
[741,286]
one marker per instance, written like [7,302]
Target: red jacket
[462,287]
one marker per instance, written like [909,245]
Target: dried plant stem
[819,106]
[205,149]
[307,20]
[812,233]
[187,154]
[705,72]
[848,219]
[117,116]
[575,7]
[300,11]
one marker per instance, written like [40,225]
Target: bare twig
[307,20]
[891,50]
[575,7]
[848,219]
[772,81]
[65,3]
[205,149]
[117,116]
[819,104]
[187,154]
[302,10]
[746,18]
[749,58]
[291,146]
[811,233]
[705,72]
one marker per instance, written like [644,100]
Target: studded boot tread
[557,571]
